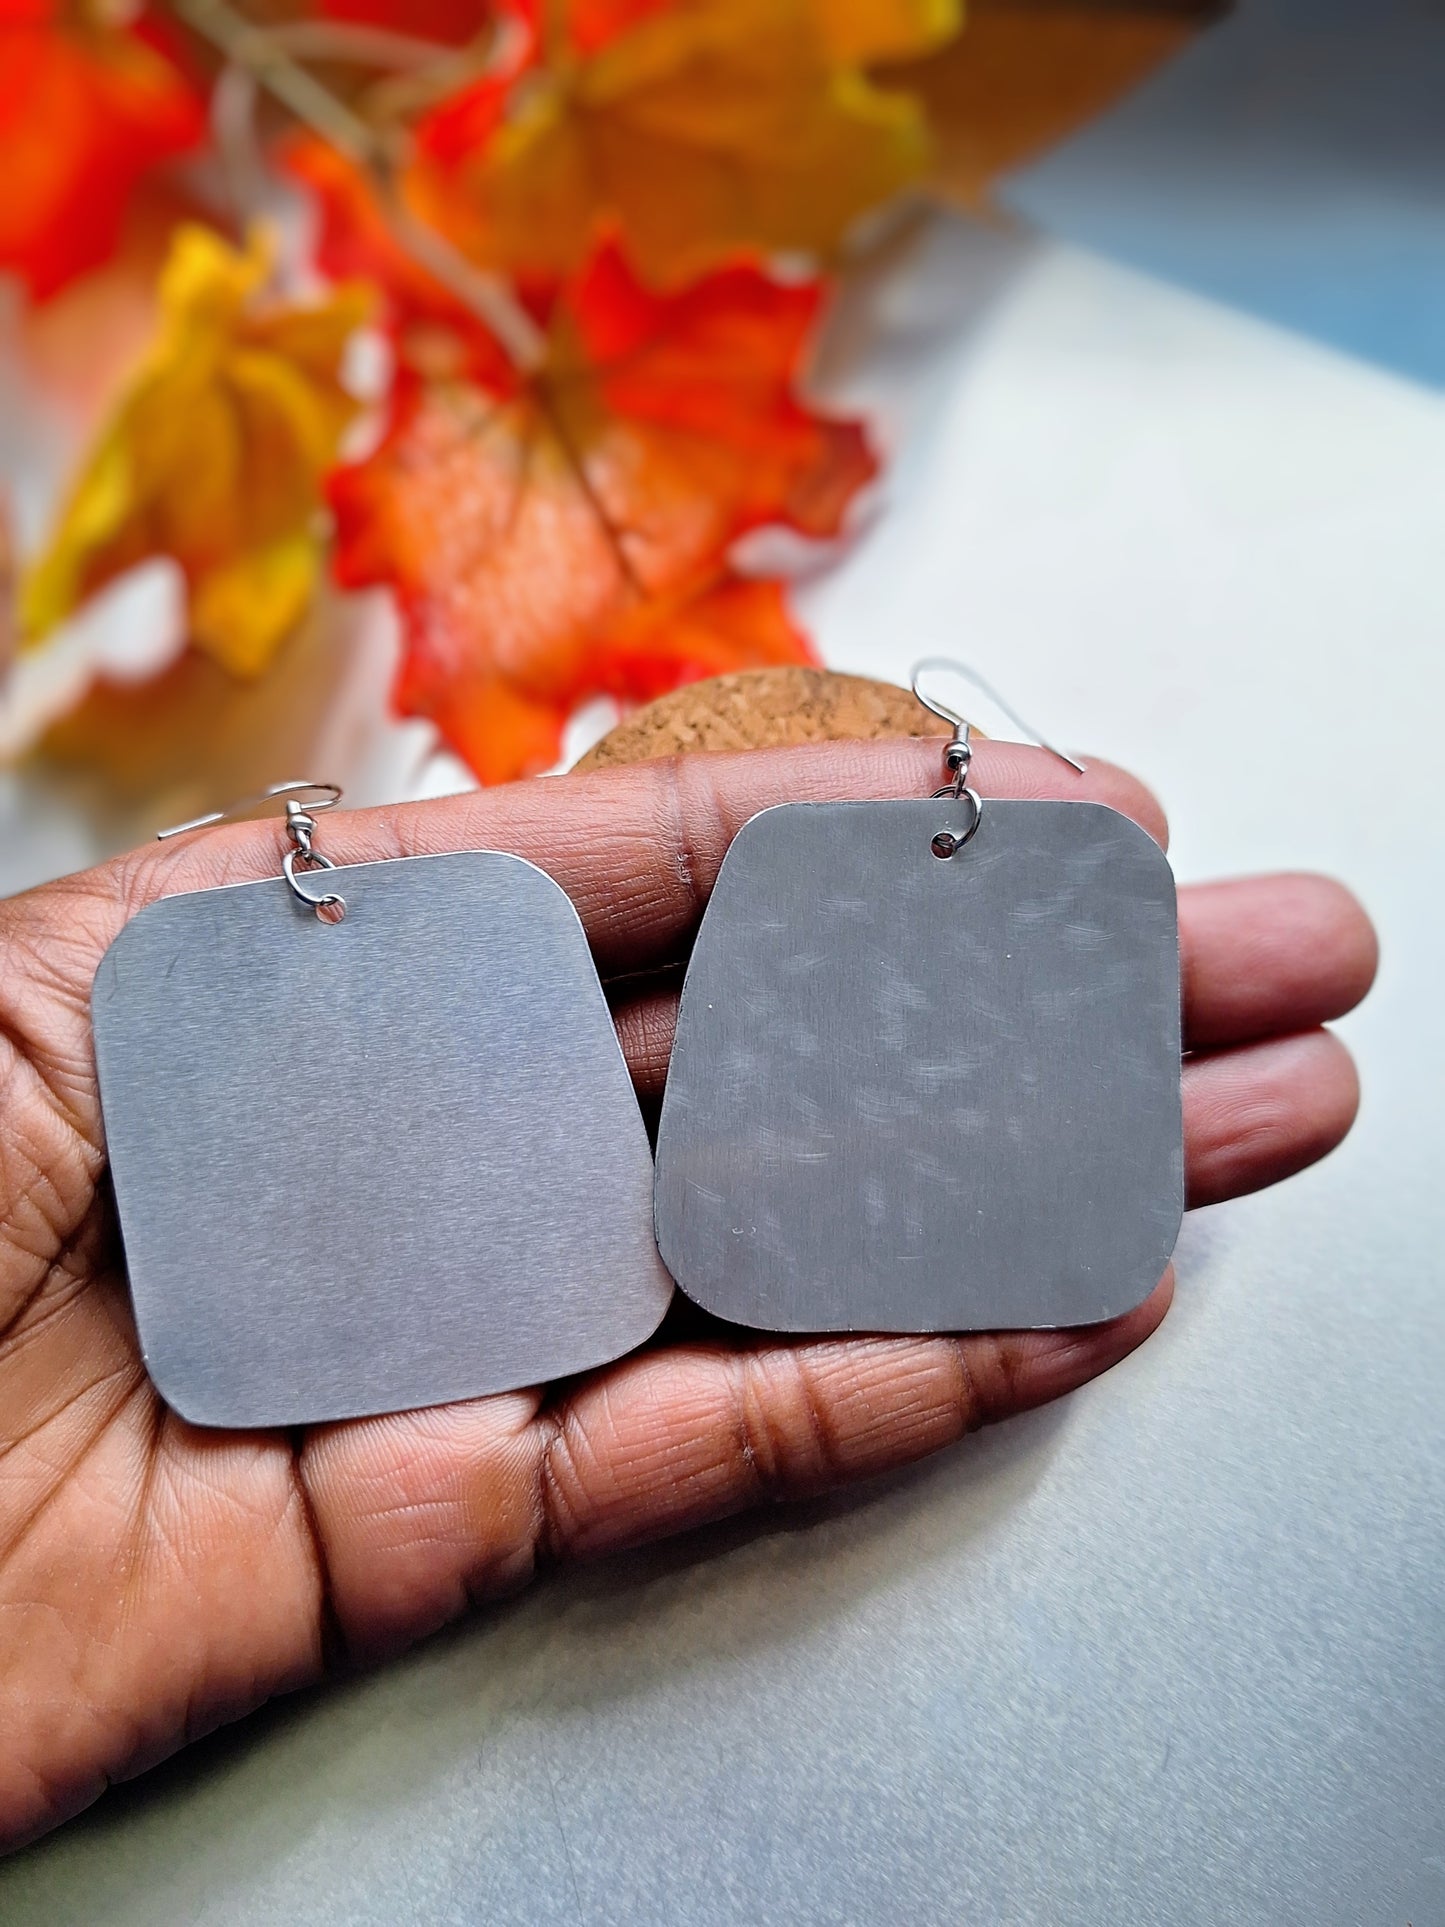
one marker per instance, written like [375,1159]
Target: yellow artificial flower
[214,456]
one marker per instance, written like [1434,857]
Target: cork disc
[764,709]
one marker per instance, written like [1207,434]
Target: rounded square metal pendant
[378,1164]
[924,1092]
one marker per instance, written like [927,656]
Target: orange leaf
[434,334]
[570,537]
[587,26]
[740,622]
[502,730]
[856,30]
[699,129]
[86,108]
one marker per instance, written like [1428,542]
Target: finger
[636,849]
[420,1514]
[416,1515]
[646,1022]
[1271,954]
[1258,1114]
[675,1438]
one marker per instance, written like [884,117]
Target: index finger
[636,849]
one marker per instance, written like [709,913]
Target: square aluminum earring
[373,1163]
[926,1075]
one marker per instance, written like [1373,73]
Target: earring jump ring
[328,899]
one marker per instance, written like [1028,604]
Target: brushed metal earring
[373,1141]
[926,1075]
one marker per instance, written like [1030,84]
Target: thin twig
[269,55]
[254,49]
[345,40]
[415,72]
[233,127]
[257,51]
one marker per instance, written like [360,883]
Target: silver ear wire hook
[300,828]
[960,726]
[958,755]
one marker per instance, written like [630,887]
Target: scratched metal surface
[913,1093]
[329,1141]
[1171,1651]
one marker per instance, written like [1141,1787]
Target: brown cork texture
[764,709]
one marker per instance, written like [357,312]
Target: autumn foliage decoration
[595,234]
[89,103]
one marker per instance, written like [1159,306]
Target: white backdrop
[1174,1651]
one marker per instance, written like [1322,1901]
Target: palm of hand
[157,1579]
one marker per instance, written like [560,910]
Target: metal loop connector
[327,899]
[947,843]
[304,802]
[301,827]
[958,755]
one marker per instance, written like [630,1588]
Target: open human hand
[157,1579]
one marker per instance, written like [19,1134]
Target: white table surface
[1174,1650]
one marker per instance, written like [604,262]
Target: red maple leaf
[86,108]
[570,535]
